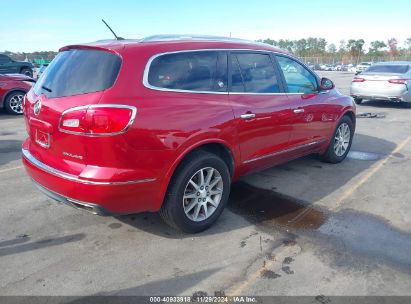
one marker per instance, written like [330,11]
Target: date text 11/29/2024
[203,299]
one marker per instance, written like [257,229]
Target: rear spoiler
[112,47]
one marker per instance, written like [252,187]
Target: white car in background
[362,67]
[388,81]
[351,68]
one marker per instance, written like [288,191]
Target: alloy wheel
[203,194]
[16,103]
[342,139]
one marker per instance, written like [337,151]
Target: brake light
[358,79]
[398,81]
[97,120]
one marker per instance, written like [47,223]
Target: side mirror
[326,84]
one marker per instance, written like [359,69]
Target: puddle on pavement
[358,155]
[273,209]
[349,230]
[369,235]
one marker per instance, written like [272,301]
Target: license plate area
[42,138]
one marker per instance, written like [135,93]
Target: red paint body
[11,83]
[168,126]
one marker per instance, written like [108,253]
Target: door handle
[247,116]
[298,111]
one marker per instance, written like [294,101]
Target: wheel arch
[9,93]
[25,67]
[351,115]
[215,146]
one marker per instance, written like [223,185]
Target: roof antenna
[117,38]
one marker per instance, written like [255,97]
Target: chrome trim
[40,143]
[247,116]
[151,87]
[284,151]
[132,118]
[254,93]
[71,177]
[298,111]
[37,107]
[152,58]
[323,92]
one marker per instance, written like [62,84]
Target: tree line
[49,55]
[348,51]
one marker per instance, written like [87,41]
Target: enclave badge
[37,107]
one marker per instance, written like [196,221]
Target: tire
[333,154]
[27,72]
[180,212]
[14,103]
[358,100]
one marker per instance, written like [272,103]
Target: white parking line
[370,174]
[11,169]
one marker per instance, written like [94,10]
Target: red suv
[13,87]
[167,123]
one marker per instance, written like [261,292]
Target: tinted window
[297,77]
[77,72]
[192,71]
[237,84]
[4,59]
[400,69]
[253,73]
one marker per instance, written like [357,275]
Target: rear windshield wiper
[46,88]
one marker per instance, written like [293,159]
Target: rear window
[77,72]
[398,69]
[202,71]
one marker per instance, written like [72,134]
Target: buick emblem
[37,107]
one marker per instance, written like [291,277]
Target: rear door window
[298,79]
[75,72]
[253,73]
[202,71]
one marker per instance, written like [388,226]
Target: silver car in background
[362,67]
[389,81]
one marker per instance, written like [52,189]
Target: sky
[47,25]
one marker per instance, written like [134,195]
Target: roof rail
[192,37]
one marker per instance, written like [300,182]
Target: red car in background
[167,123]
[13,87]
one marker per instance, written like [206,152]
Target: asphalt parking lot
[302,228]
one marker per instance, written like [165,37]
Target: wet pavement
[273,209]
[353,231]
[369,236]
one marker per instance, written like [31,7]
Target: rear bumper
[399,94]
[98,197]
[92,208]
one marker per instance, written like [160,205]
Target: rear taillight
[398,81]
[358,79]
[97,120]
